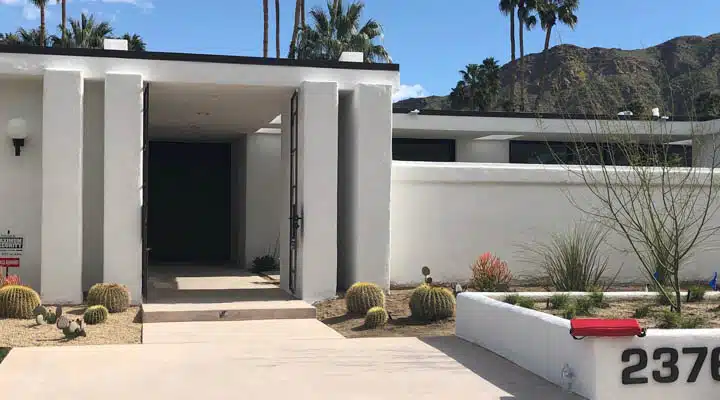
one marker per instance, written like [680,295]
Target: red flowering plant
[10,280]
[490,274]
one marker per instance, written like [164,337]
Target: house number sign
[664,368]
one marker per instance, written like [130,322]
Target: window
[436,150]
[540,152]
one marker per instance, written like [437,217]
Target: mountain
[597,80]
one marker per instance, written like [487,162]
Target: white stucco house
[115,161]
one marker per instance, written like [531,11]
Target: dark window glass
[435,150]
[540,152]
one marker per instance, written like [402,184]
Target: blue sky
[430,39]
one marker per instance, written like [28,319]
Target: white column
[284,206]
[62,149]
[122,258]
[482,151]
[368,148]
[318,162]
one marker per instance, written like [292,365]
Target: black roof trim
[188,57]
[509,114]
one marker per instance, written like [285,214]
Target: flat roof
[512,114]
[191,57]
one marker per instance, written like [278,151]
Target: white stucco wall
[62,187]
[364,185]
[263,195]
[592,367]
[444,215]
[93,190]
[21,177]
[484,151]
[122,255]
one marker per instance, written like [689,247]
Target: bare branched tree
[648,184]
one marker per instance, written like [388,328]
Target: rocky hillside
[571,79]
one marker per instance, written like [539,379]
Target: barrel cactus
[115,297]
[18,302]
[376,317]
[432,303]
[95,315]
[363,296]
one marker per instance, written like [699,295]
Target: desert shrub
[115,297]
[526,302]
[570,311]
[672,320]
[572,261]
[376,317]
[584,306]
[696,294]
[598,299]
[664,300]
[512,298]
[642,311]
[490,274]
[265,263]
[432,303]
[362,296]
[95,315]
[18,302]
[559,301]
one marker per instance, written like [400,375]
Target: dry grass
[333,314]
[120,328]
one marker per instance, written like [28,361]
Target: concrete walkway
[253,368]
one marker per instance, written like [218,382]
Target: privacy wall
[444,215]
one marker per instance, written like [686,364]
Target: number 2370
[668,371]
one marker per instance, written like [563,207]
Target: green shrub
[642,311]
[662,299]
[597,298]
[115,297]
[673,320]
[559,301]
[573,261]
[18,302]
[570,311]
[696,294]
[265,263]
[375,318]
[95,315]
[362,296]
[526,302]
[512,298]
[432,303]
[584,306]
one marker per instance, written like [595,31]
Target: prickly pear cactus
[363,296]
[432,303]
[63,322]
[74,329]
[18,302]
[40,313]
[376,317]
[95,315]
[115,297]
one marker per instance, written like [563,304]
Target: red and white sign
[9,263]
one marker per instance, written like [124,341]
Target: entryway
[189,206]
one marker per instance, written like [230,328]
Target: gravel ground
[333,314]
[120,328]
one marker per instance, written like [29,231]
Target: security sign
[11,248]
[9,263]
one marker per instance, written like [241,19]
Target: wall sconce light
[17,131]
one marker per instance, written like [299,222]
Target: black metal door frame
[144,208]
[295,216]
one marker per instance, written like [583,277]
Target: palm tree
[525,21]
[33,37]
[507,7]
[266,27]
[63,23]
[135,42]
[277,28]
[9,39]
[552,11]
[296,30]
[85,33]
[330,36]
[41,5]
[478,87]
